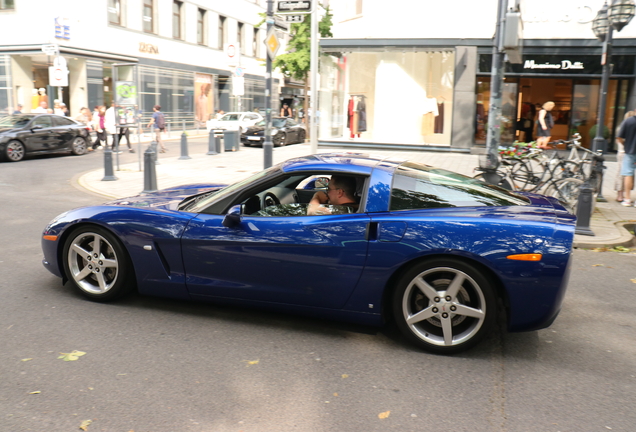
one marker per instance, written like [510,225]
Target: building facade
[182,55]
[418,73]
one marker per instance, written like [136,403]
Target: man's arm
[314,208]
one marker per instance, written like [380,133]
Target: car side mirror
[233,217]
[321,182]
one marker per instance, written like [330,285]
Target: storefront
[387,96]
[571,81]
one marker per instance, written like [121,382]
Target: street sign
[125,93]
[58,76]
[239,72]
[49,49]
[295,6]
[272,43]
[238,86]
[294,18]
[233,52]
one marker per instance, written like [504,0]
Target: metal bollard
[217,143]
[212,148]
[584,210]
[109,175]
[150,173]
[184,145]
[153,146]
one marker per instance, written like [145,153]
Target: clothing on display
[439,120]
[356,116]
[428,118]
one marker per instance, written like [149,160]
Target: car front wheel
[444,306]
[79,146]
[97,264]
[14,151]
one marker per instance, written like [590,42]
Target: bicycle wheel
[568,191]
[521,176]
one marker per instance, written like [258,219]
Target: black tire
[444,305]
[14,151]
[101,273]
[301,136]
[79,146]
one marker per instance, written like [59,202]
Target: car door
[65,129]
[301,260]
[40,136]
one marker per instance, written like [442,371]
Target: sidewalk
[607,221]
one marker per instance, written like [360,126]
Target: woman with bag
[99,126]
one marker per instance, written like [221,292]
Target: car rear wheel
[14,151]
[79,146]
[301,136]
[97,264]
[444,305]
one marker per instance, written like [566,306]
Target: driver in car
[340,192]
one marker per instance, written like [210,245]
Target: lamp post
[608,19]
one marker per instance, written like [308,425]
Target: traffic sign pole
[268,146]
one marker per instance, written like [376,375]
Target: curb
[625,238]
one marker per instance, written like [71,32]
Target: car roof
[362,163]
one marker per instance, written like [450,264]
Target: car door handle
[371,233]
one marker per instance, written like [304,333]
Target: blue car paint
[194,256]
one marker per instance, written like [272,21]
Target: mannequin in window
[544,124]
[42,96]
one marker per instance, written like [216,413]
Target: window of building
[255,45]
[221,35]
[7,4]
[176,19]
[239,37]
[114,12]
[148,16]
[201,26]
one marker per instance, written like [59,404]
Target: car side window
[61,121]
[44,121]
[291,123]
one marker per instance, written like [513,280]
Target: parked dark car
[30,134]
[284,131]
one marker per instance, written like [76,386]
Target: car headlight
[274,131]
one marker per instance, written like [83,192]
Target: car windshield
[230,117]
[277,123]
[228,190]
[14,121]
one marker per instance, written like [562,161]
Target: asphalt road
[156,365]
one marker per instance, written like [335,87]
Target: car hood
[166,199]
[3,130]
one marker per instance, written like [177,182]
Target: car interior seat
[252,205]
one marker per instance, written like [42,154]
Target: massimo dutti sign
[562,65]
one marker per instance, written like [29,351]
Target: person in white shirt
[111,124]
[42,108]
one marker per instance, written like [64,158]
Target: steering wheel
[269,199]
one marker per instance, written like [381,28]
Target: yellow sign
[272,43]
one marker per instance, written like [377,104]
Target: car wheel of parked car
[301,136]
[97,264]
[79,146]
[280,140]
[14,151]
[444,305]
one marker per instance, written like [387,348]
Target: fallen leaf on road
[345,376]
[85,424]
[72,356]
[633,280]
[250,362]
[27,359]
[598,265]
[384,415]
[35,392]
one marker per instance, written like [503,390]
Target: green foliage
[296,61]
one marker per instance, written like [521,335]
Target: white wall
[543,19]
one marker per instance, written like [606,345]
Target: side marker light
[50,237]
[525,257]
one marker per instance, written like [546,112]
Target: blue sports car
[342,235]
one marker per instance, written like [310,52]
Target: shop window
[7,4]
[149,16]
[176,19]
[114,12]
[201,26]
[221,31]
[387,97]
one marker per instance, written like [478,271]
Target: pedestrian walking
[627,137]
[18,110]
[619,181]
[159,121]
[99,126]
[286,111]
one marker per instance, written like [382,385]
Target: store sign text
[581,15]
[564,65]
[148,48]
